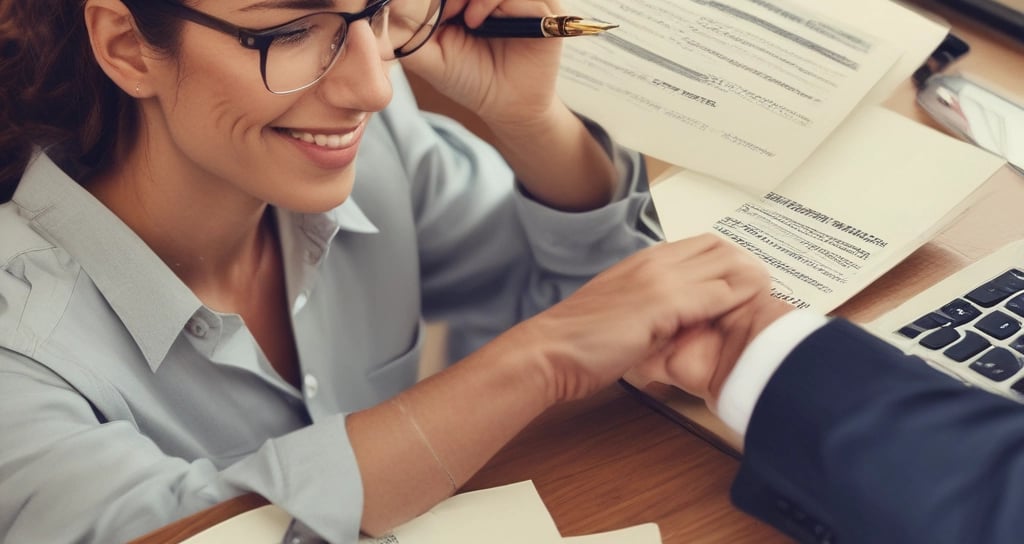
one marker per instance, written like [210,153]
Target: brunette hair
[53,94]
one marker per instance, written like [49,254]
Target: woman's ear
[117,46]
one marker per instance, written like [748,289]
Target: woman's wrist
[527,127]
[526,349]
[558,161]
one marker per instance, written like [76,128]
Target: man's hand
[700,359]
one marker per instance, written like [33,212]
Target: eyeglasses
[297,54]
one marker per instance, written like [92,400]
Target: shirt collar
[151,301]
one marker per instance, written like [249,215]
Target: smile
[330,141]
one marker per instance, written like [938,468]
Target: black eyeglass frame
[260,39]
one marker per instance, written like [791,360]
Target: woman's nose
[359,79]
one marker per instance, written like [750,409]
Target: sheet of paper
[263,525]
[647,533]
[741,90]
[879,187]
[915,34]
[510,514]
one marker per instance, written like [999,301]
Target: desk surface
[610,461]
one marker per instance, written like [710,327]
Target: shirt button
[197,328]
[300,302]
[310,385]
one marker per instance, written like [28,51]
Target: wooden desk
[609,461]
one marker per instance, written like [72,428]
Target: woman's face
[227,133]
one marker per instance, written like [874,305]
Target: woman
[220,243]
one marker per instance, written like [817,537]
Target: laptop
[969,325]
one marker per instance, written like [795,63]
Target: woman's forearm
[558,161]
[416,449]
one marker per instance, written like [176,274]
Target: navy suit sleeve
[854,442]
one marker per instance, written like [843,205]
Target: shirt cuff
[758,363]
[312,474]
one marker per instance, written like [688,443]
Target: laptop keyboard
[980,331]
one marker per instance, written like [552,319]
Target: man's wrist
[758,362]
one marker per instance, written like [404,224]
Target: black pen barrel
[510,27]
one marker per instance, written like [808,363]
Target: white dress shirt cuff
[758,362]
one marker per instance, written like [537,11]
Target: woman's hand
[651,308]
[700,360]
[507,82]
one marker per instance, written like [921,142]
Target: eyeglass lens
[305,49]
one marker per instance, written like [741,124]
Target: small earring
[138,89]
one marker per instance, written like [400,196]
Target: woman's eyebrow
[289,4]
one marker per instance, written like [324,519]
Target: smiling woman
[224,222]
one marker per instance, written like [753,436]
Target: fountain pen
[560,26]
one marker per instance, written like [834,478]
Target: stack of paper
[771,111]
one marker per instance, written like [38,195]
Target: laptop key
[960,311]
[998,325]
[1011,280]
[997,364]
[924,323]
[1018,386]
[940,338]
[992,292]
[1016,305]
[972,344]
[1018,344]
[909,331]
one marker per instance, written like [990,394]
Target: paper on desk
[648,533]
[263,525]
[741,91]
[878,189]
[509,514]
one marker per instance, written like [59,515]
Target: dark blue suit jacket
[854,442]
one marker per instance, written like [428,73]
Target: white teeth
[332,141]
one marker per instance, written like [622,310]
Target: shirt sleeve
[758,362]
[490,255]
[68,474]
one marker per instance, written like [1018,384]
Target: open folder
[771,112]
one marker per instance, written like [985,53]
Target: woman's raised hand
[505,81]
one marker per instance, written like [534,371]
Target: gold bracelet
[401,406]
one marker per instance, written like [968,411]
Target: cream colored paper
[648,533]
[880,187]
[510,514]
[263,525]
[738,90]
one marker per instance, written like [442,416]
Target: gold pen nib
[568,25]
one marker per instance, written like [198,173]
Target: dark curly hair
[54,95]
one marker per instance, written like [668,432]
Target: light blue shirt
[128,404]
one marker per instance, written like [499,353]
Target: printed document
[771,111]
[858,206]
[740,90]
